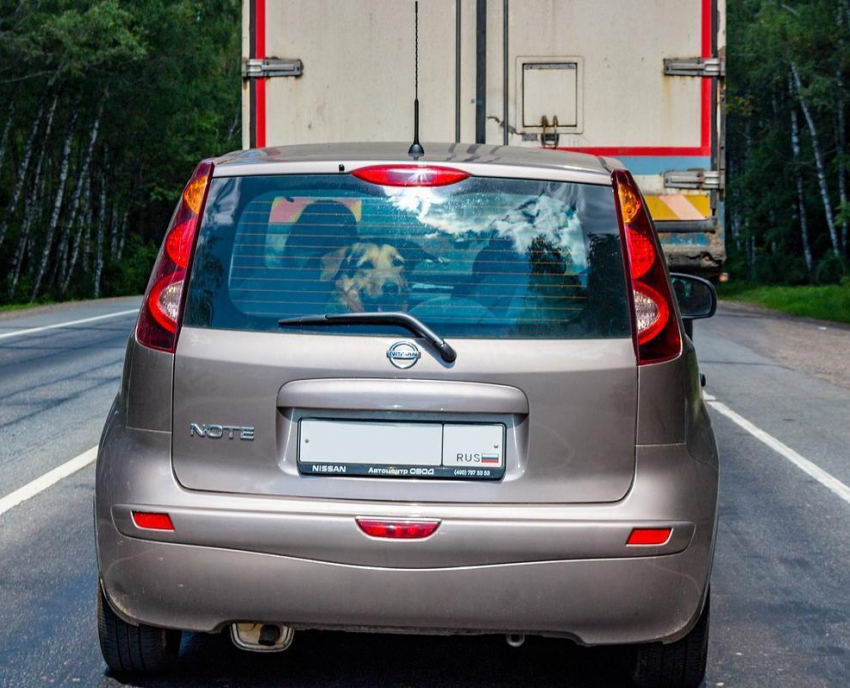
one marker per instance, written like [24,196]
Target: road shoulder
[819,348]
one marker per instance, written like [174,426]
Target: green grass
[21,306]
[826,303]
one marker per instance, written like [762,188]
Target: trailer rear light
[649,536]
[399,530]
[159,318]
[152,521]
[410,175]
[656,328]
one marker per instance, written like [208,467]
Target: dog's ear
[331,263]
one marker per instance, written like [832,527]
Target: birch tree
[801,196]
[101,222]
[6,129]
[75,201]
[57,208]
[819,163]
[23,169]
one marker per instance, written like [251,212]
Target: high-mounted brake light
[410,175]
[649,536]
[159,319]
[399,530]
[657,336]
[152,521]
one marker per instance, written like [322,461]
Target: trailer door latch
[256,68]
[693,179]
[695,66]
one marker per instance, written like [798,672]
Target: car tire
[676,665]
[129,649]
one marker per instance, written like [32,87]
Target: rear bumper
[591,601]
[548,569]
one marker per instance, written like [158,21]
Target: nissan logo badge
[403,354]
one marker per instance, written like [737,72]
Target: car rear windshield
[482,258]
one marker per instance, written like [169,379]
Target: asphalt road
[781,582]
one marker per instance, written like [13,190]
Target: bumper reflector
[152,521]
[649,536]
[399,530]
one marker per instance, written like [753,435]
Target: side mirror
[696,296]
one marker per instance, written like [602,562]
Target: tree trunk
[113,232]
[78,237]
[841,132]
[57,206]
[86,266]
[32,208]
[75,202]
[751,256]
[5,137]
[101,221]
[801,202]
[123,235]
[819,164]
[22,171]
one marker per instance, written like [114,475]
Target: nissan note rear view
[356,374]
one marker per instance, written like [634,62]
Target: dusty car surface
[449,394]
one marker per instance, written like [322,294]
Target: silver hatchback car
[451,394]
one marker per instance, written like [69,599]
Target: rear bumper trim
[460,543]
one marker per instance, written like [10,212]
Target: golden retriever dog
[367,276]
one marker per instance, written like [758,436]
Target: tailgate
[568,409]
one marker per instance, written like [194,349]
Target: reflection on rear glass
[481,258]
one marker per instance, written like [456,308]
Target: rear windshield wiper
[408,322]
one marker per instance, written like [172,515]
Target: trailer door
[326,71]
[632,80]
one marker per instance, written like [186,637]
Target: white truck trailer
[639,80]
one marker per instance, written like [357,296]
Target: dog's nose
[390,289]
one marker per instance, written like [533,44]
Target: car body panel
[597,446]
[235,378]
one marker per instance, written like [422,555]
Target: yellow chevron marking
[659,210]
[702,203]
[665,207]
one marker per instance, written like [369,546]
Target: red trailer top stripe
[260,85]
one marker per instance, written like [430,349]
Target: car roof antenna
[416,148]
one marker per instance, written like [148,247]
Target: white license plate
[401,450]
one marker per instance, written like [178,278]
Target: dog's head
[368,276]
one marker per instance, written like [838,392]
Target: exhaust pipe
[260,637]
[515,639]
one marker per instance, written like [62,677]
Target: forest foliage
[106,106]
[787,209]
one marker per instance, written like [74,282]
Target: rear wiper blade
[408,322]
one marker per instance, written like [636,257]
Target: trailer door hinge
[694,66]
[256,68]
[693,179]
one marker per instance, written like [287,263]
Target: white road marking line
[49,479]
[67,324]
[813,470]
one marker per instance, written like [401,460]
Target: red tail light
[159,319]
[152,521]
[410,175]
[649,536]
[656,327]
[406,530]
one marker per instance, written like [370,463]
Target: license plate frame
[330,447]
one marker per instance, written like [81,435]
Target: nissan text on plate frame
[353,376]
